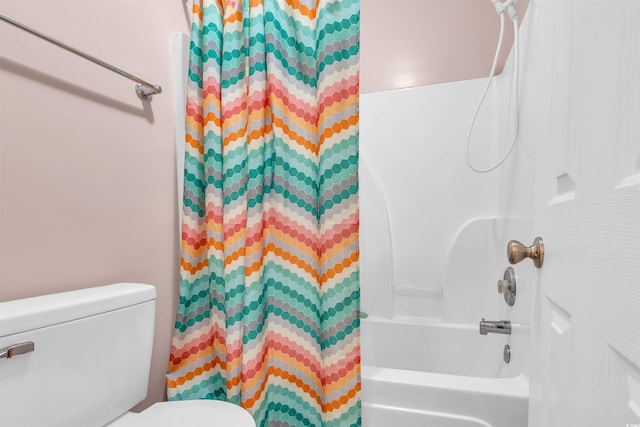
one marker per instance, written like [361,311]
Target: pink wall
[87,170]
[408,43]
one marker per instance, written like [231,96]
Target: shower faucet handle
[516,252]
[507,286]
[504,286]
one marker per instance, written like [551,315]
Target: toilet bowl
[188,413]
[82,359]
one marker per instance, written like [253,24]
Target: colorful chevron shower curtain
[268,316]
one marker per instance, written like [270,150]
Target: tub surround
[573,179]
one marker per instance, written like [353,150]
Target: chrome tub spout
[495,327]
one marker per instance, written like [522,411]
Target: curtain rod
[144,89]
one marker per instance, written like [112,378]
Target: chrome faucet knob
[503,285]
[507,286]
[516,252]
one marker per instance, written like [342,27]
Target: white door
[586,321]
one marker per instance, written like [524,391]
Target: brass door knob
[516,252]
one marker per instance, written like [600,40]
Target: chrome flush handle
[17,349]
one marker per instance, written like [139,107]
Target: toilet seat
[188,413]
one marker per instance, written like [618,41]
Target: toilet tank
[91,356]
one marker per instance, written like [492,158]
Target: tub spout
[495,327]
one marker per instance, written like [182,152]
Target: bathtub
[442,375]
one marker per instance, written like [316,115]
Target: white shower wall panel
[417,191]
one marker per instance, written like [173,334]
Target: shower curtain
[268,316]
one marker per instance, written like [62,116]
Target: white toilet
[82,358]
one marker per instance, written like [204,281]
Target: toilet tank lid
[37,312]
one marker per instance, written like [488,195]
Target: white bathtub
[442,375]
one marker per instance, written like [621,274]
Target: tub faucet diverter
[495,327]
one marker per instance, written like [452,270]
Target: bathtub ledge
[514,386]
